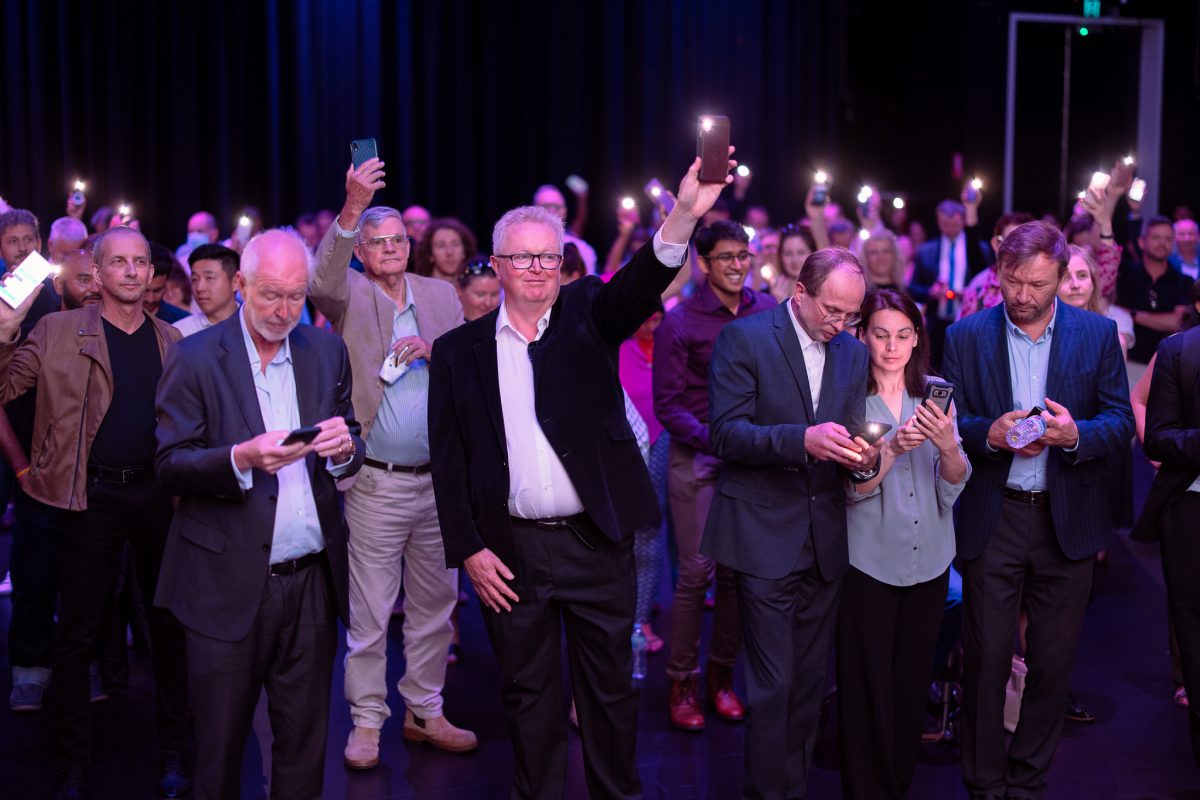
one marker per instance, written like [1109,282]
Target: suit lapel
[995,355]
[235,364]
[785,332]
[829,376]
[1062,345]
[489,379]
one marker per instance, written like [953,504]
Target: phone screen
[712,145]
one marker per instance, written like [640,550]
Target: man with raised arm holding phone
[787,398]
[388,318]
[540,486]
[255,565]
[1032,519]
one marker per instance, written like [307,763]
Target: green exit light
[1091,8]
[1083,31]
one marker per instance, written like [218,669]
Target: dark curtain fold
[178,106]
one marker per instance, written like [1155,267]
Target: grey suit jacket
[361,312]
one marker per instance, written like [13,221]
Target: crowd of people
[827,431]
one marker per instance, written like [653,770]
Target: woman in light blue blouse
[900,528]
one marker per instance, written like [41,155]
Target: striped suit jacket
[1087,375]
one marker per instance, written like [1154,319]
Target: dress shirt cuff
[667,252]
[344,233]
[245,478]
[338,470]
[1075,447]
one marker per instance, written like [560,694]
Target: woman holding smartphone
[900,529]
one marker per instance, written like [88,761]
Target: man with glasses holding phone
[787,398]
[683,347]
[540,486]
[388,318]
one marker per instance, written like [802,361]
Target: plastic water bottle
[1025,432]
[640,648]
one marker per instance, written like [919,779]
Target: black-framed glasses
[399,241]
[525,260]
[725,259]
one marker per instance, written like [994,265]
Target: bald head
[274,281]
[102,246]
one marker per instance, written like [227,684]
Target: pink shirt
[635,376]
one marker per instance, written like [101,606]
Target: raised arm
[330,284]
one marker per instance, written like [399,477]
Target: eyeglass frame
[738,256]
[532,257]
[377,242]
[849,320]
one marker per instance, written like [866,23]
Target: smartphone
[712,145]
[874,431]
[363,150]
[576,184]
[1036,411]
[1137,190]
[940,393]
[77,193]
[1099,181]
[659,196]
[305,435]
[22,281]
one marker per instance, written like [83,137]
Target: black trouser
[289,651]
[886,636]
[31,634]
[1022,563]
[89,550]
[578,579]
[1181,568]
[787,629]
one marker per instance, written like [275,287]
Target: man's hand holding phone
[693,201]
[268,453]
[334,440]
[11,318]
[362,183]
[830,441]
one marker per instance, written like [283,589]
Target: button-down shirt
[400,433]
[193,323]
[1028,362]
[902,531]
[955,278]
[814,357]
[297,527]
[538,483]
[683,346]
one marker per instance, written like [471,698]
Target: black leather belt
[1035,499]
[120,474]
[295,565]
[387,466]
[576,524]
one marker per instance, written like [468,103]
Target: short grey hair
[19,216]
[250,258]
[68,228]
[118,230]
[526,214]
[375,216]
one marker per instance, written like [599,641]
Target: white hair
[526,214]
[375,216]
[68,228]
[250,256]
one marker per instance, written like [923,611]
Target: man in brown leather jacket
[96,370]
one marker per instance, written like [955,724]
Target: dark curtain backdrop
[179,106]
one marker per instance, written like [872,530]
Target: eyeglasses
[846,320]
[725,259]
[525,260]
[399,241]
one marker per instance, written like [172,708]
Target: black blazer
[579,403]
[928,257]
[1087,375]
[770,496]
[218,548]
[1172,427]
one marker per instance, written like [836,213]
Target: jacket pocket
[41,453]
[202,534]
[750,494]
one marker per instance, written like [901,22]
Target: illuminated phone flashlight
[1137,190]
[864,194]
[873,430]
[976,184]
[864,234]
[80,186]
[124,210]
[706,124]
[655,191]
[898,203]
[821,177]
[628,204]
[1081,195]
[766,272]
[743,171]
[749,231]
[1128,161]
[244,221]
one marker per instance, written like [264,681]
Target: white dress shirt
[814,357]
[193,323]
[538,484]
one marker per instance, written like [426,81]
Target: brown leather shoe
[362,748]
[438,732]
[685,706]
[721,698]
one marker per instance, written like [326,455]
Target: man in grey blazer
[389,318]
[787,396]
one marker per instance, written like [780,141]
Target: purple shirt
[683,346]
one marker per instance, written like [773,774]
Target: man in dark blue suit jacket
[540,486]
[1030,520]
[255,565]
[787,394]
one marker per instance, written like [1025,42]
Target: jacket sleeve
[972,426]
[733,388]
[21,363]
[330,284]
[185,464]
[633,294]
[1167,440]
[344,408]
[448,463]
[1112,427]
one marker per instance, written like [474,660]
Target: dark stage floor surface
[1138,747]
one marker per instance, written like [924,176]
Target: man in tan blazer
[389,319]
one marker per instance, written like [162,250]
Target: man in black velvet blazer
[255,564]
[540,486]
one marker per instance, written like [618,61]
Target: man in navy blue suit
[1031,520]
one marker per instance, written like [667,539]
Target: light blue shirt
[1028,362]
[400,434]
[902,532]
[297,527]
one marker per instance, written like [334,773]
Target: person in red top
[683,347]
